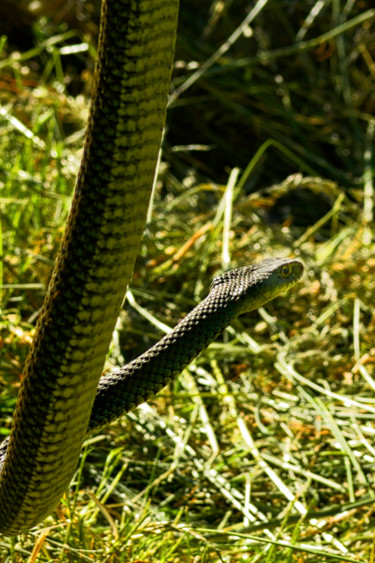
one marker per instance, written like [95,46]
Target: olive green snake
[54,410]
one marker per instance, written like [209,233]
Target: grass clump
[263,449]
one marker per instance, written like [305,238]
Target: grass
[263,450]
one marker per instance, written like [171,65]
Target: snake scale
[60,382]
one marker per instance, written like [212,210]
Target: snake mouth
[250,287]
[285,275]
[296,271]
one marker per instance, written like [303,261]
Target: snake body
[94,265]
[231,294]
[95,261]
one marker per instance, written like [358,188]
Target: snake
[62,396]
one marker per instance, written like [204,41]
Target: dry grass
[263,450]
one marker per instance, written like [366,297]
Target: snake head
[251,287]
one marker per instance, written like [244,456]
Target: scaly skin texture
[233,293]
[96,259]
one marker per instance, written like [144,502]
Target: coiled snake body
[60,382]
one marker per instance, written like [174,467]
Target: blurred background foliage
[275,118]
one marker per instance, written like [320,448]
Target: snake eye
[286,271]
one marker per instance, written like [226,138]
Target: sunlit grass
[263,449]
